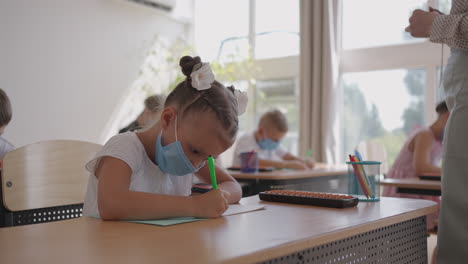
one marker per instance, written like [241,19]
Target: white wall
[66,64]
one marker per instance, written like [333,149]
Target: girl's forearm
[131,205]
[234,189]
[427,168]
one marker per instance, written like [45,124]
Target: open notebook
[232,210]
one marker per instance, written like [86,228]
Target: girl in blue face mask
[148,174]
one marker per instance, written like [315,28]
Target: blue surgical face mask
[268,144]
[171,158]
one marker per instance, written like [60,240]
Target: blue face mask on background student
[268,144]
[171,158]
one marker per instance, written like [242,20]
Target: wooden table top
[319,170]
[278,230]
[413,183]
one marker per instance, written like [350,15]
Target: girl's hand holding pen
[211,204]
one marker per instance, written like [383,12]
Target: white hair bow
[242,101]
[202,76]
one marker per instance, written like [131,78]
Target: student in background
[420,155]
[272,127]
[5,118]
[148,174]
[150,114]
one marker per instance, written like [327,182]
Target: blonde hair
[5,109]
[155,103]
[274,119]
[218,98]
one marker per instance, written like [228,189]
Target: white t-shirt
[5,147]
[247,143]
[146,175]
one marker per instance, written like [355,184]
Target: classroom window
[380,61]
[256,43]
[276,28]
[385,112]
[370,23]
[220,27]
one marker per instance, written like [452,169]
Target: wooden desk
[322,178]
[414,186]
[392,231]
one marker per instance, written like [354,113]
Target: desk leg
[404,242]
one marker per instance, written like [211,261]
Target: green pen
[309,153]
[211,166]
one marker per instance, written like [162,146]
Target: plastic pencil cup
[364,180]
[249,162]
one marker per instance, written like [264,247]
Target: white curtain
[319,76]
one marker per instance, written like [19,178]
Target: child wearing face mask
[148,174]
[272,127]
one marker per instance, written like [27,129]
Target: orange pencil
[358,158]
[364,177]
[359,176]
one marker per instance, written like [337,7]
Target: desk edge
[292,247]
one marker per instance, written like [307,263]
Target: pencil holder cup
[249,162]
[364,180]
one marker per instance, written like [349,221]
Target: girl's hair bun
[187,63]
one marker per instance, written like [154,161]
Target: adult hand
[421,23]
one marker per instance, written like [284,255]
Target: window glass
[384,111]
[220,21]
[222,37]
[370,23]
[277,28]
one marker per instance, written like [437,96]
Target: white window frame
[403,56]
[272,68]
[278,68]
[419,55]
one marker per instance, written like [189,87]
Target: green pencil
[309,153]
[211,166]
